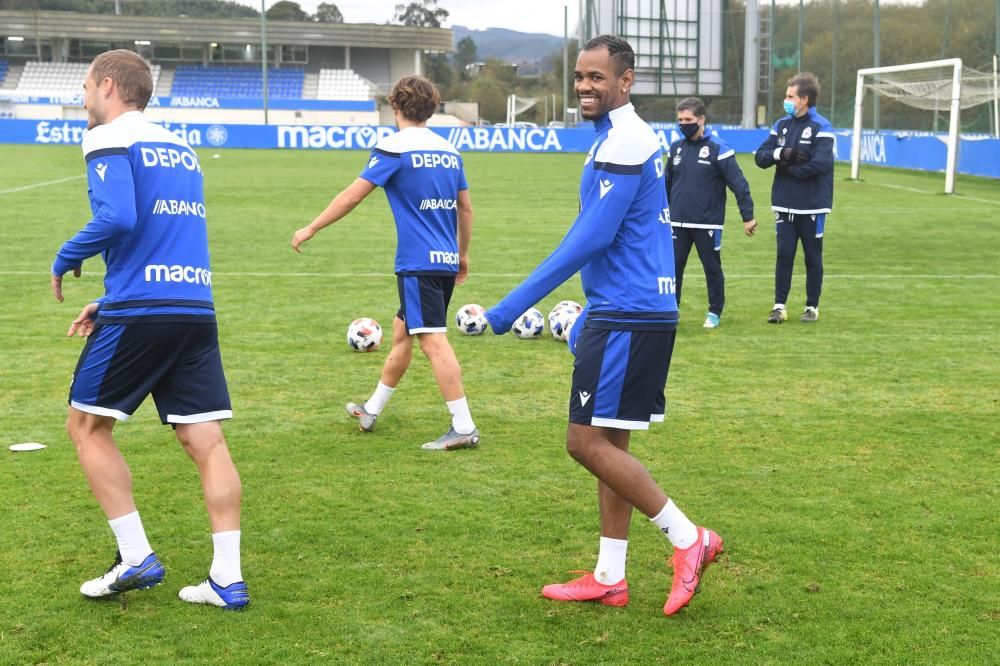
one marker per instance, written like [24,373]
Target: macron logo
[101,169]
[584,397]
[606,186]
[372,162]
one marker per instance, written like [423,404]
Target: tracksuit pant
[709,245]
[792,228]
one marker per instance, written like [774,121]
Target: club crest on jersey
[606,186]
[807,132]
[703,153]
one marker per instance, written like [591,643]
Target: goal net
[941,86]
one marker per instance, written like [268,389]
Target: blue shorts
[423,302]
[619,377]
[178,363]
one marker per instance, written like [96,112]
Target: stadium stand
[58,78]
[342,84]
[3,70]
[227,81]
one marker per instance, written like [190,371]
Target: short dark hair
[806,85]
[692,104]
[620,51]
[415,97]
[129,72]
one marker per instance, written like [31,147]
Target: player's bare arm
[341,205]
[464,235]
[56,283]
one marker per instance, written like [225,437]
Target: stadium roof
[109,27]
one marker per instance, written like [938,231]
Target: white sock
[778,306]
[461,417]
[132,542]
[672,522]
[376,403]
[610,567]
[226,563]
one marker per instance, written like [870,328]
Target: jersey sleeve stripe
[104,152]
[621,169]
[825,135]
[387,153]
[728,153]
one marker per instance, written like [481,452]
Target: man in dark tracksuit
[699,167]
[801,147]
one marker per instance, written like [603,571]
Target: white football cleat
[123,577]
[232,597]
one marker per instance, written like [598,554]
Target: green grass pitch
[852,466]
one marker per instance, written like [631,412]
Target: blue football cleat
[232,597]
[123,577]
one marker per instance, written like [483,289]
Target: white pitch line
[960,196]
[46,183]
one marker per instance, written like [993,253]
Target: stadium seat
[342,84]
[59,78]
[229,81]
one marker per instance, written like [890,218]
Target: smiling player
[621,244]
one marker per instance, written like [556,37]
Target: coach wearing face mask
[801,148]
[698,170]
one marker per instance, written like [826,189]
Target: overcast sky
[522,15]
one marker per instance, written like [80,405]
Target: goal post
[955,64]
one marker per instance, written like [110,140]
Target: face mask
[688,129]
[789,107]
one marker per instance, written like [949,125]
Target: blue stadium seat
[231,81]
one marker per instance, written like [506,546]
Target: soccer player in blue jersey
[424,179]
[153,331]
[800,147]
[698,170]
[621,244]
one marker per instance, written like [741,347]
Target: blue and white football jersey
[621,240]
[422,175]
[146,193]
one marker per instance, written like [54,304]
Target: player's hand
[83,325]
[463,271]
[300,237]
[57,284]
[750,227]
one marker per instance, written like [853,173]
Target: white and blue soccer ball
[561,322]
[529,325]
[568,304]
[364,335]
[471,319]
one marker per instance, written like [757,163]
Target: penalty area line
[43,184]
[958,195]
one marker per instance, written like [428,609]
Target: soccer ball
[529,325]
[471,319]
[568,304]
[561,322]
[364,335]
[562,313]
